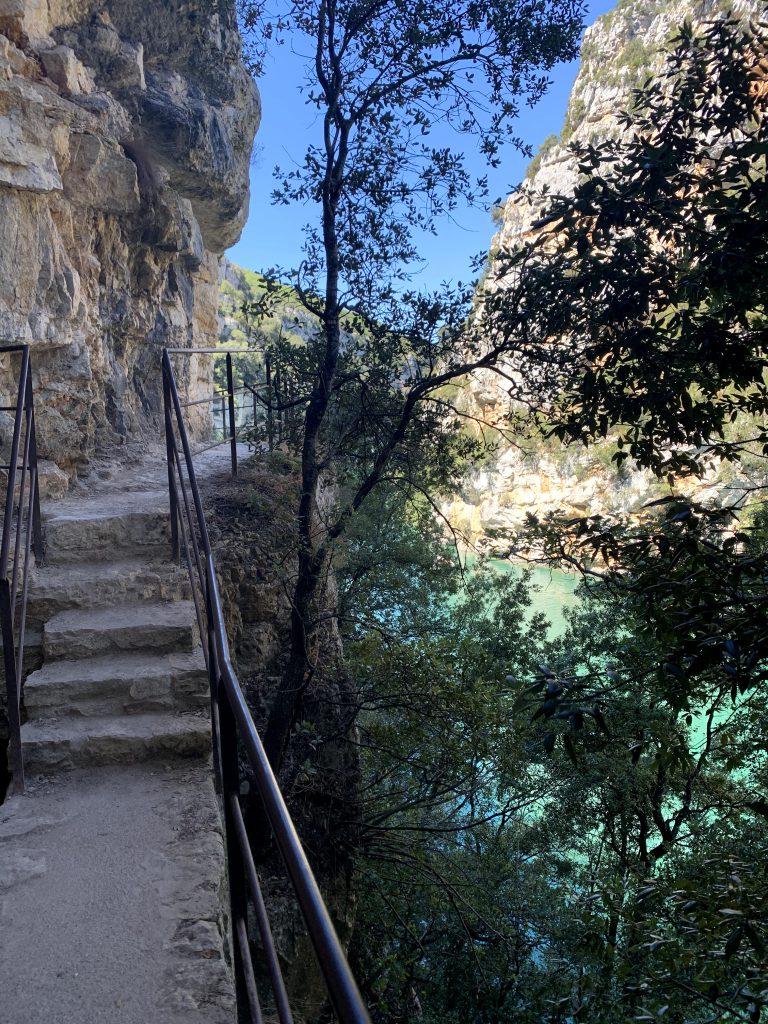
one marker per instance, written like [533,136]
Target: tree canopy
[644,318]
[401,89]
[644,310]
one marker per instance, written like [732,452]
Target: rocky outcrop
[490,508]
[618,53]
[126,128]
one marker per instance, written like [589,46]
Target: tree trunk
[312,552]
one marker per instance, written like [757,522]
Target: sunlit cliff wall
[126,128]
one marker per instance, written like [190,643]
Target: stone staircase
[121,676]
[113,892]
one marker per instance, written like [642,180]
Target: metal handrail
[275,408]
[22,530]
[226,397]
[214,350]
[232,724]
[229,394]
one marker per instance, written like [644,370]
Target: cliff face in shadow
[126,128]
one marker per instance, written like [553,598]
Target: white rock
[62,67]
[24,164]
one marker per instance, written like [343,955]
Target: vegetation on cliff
[645,318]
[567,830]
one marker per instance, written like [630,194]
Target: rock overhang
[126,130]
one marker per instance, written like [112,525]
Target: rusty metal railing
[22,536]
[233,729]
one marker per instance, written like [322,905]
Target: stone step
[33,655]
[88,633]
[103,528]
[69,743]
[131,683]
[54,589]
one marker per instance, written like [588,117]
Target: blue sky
[273,234]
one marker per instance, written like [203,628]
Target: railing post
[15,759]
[25,583]
[214,680]
[280,412]
[37,527]
[270,415]
[170,447]
[13,463]
[232,428]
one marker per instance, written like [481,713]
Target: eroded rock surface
[126,128]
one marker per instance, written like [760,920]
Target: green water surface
[553,590]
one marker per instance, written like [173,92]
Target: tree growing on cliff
[646,319]
[401,87]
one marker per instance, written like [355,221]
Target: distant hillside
[240,292]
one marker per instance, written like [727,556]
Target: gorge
[620,51]
[228,660]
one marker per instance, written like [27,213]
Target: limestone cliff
[618,52]
[126,128]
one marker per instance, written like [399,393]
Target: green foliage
[497,214]
[574,115]
[663,345]
[635,8]
[637,56]
[544,149]
[257,314]
[598,850]
[629,68]
[430,654]
[600,858]
[670,344]
[681,797]
[268,319]
[530,812]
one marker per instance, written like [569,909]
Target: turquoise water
[552,593]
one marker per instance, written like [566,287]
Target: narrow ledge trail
[113,901]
